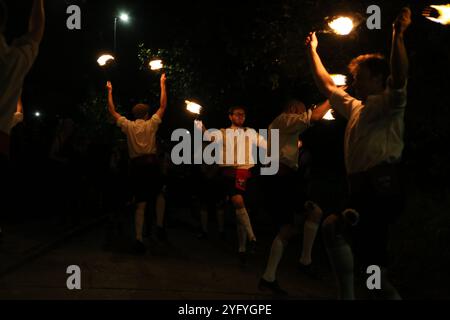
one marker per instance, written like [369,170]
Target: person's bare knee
[238,202]
[286,233]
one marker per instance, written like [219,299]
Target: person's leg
[276,252]
[139,219]
[340,255]
[160,209]
[242,216]
[313,218]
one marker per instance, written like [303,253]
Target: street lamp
[125,18]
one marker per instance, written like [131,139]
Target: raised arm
[111,106]
[322,78]
[163,104]
[36,25]
[320,112]
[399,56]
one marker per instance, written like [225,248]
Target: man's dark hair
[376,63]
[293,104]
[232,110]
[3,16]
[140,111]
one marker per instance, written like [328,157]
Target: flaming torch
[105,59]
[339,80]
[439,14]
[342,26]
[156,65]
[193,107]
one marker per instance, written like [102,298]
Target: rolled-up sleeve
[122,123]
[27,50]
[342,102]
[397,97]
[156,119]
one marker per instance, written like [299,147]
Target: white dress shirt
[375,128]
[141,135]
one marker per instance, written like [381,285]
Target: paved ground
[183,269]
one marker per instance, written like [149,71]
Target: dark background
[251,53]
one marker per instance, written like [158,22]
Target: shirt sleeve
[262,142]
[296,123]
[397,97]
[156,119]
[123,123]
[342,102]
[27,50]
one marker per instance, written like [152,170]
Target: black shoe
[161,234]
[139,248]
[252,246]
[272,286]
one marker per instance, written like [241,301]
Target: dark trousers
[378,196]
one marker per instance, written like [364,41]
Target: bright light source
[329,116]
[37,114]
[104,59]
[193,107]
[124,17]
[442,11]
[339,79]
[156,65]
[342,26]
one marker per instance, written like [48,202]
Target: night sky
[222,39]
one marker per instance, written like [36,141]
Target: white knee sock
[160,210]
[242,237]
[276,253]
[139,220]
[341,259]
[244,220]
[310,232]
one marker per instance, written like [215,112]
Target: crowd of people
[373,145]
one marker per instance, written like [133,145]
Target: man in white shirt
[146,178]
[15,62]
[237,144]
[282,190]
[373,146]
